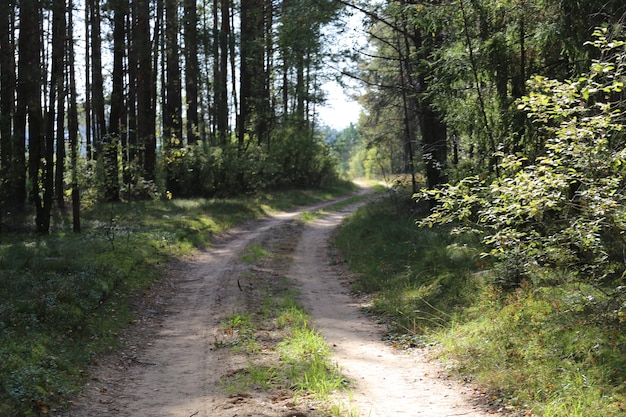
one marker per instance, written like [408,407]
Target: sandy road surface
[171,367]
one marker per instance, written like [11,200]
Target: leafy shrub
[566,208]
[297,159]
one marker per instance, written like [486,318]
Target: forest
[112,100]
[499,122]
[147,99]
[507,116]
[504,119]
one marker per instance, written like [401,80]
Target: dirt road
[170,365]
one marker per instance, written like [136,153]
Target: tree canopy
[509,114]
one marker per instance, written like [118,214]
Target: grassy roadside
[64,298]
[549,348]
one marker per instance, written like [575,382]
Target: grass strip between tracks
[283,351]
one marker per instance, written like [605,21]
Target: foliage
[304,158]
[564,209]
[344,144]
[62,302]
[384,130]
[554,348]
[307,362]
[297,159]
[466,63]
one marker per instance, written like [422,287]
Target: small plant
[308,362]
[292,316]
[239,333]
[253,253]
[563,208]
[308,216]
[253,376]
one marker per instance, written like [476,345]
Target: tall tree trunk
[172,111]
[88,119]
[44,207]
[145,110]
[252,83]
[97,86]
[159,51]
[59,172]
[130,149]
[117,122]
[268,109]
[433,130]
[214,48]
[172,108]
[232,58]
[56,112]
[12,158]
[220,68]
[245,88]
[29,99]
[72,119]
[204,84]
[192,69]
[300,87]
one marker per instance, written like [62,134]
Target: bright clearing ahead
[339,110]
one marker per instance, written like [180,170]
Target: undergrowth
[552,347]
[421,280]
[65,298]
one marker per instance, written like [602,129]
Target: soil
[173,362]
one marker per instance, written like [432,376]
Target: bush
[564,209]
[293,159]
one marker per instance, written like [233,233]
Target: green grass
[253,376]
[240,329]
[253,253]
[549,349]
[308,216]
[65,298]
[307,365]
[294,356]
[301,361]
[408,271]
[554,347]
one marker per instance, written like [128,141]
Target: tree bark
[29,100]
[172,111]
[252,85]
[220,68]
[172,107]
[72,119]
[12,155]
[88,138]
[190,31]
[145,111]
[53,184]
[117,122]
[97,82]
